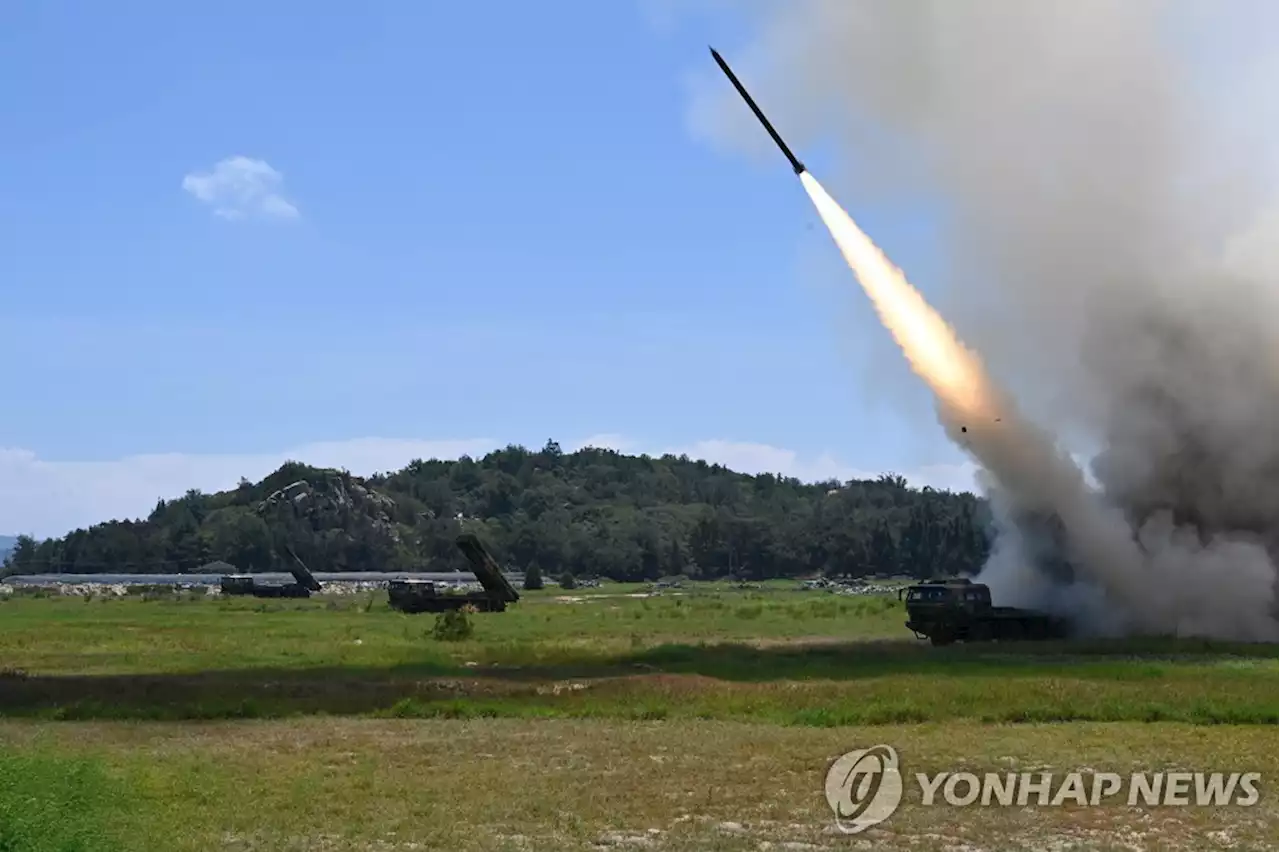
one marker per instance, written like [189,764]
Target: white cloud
[242,187]
[46,498]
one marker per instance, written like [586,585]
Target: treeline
[592,513]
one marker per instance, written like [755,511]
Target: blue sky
[473,224]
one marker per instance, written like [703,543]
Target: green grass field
[587,719]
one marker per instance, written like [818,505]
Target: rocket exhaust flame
[1025,460]
[928,342]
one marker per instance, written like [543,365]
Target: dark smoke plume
[1109,174]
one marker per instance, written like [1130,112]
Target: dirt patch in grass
[820,686]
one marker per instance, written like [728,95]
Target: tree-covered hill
[591,513]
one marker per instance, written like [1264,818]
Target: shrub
[454,625]
[533,578]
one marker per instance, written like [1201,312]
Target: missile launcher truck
[247,584]
[960,610]
[414,596]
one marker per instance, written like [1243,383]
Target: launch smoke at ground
[1028,466]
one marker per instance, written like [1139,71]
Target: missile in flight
[791,158]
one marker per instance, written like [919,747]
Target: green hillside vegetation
[592,513]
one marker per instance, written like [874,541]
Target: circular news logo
[864,788]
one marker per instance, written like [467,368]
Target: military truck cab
[960,610]
[962,593]
[236,584]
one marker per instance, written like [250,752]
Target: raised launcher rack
[414,596]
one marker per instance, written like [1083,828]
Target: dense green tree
[533,577]
[24,551]
[591,513]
